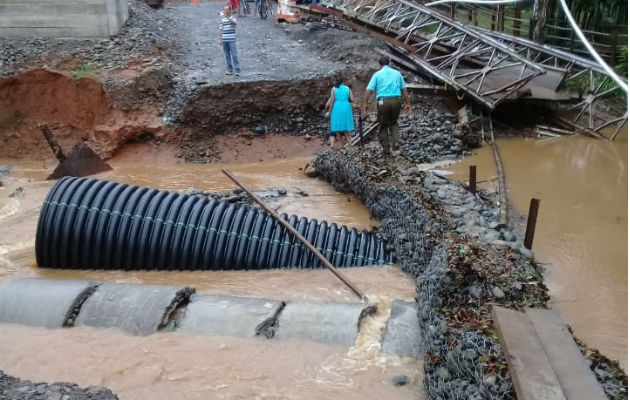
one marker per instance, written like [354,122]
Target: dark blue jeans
[231,59]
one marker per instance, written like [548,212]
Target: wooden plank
[576,379]
[531,372]
[368,128]
[580,128]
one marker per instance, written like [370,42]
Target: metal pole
[531,223]
[52,142]
[472,185]
[301,238]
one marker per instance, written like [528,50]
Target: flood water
[581,233]
[174,365]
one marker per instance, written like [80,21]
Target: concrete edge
[269,326]
[75,308]
[170,317]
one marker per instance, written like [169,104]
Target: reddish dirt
[75,109]
[246,147]
[54,98]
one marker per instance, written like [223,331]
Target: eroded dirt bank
[161,79]
[75,108]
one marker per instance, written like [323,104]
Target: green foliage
[580,85]
[83,69]
[622,67]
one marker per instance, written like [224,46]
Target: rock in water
[400,380]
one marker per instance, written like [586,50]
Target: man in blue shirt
[388,85]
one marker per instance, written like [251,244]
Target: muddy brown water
[582,227]
[174,365]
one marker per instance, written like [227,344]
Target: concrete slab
[330,323]
[226,315]
[62,18]
[138,309]
[531,373]
[402,335]
[49,303]
[576,378]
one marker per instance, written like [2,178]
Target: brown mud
[75,108]
[247,147]
[177,366]
[81,108]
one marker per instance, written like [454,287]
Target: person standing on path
[339,106]
[228,39]
[388,85]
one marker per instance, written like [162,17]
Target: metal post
[516,26]
[531,223]
[52,142]
[472,185]
[299,237]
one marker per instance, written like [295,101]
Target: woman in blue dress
[339,106]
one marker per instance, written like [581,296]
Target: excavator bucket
[82,160]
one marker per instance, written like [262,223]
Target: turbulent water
[581,234]
[173,365]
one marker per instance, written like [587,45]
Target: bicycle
[246,8]
[263,7]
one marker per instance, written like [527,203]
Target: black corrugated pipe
[94,224]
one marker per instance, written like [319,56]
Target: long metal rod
[52,142]
[301,238]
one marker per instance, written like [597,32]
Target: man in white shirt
[228,39]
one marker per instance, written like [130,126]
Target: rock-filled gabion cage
[96,224]
[421,245]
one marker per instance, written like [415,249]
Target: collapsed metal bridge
[490,67]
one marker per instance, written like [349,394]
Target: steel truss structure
[452,52]
[488,66]
[587,74]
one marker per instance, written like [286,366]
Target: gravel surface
[180,44]
[146,32]
[17,389]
